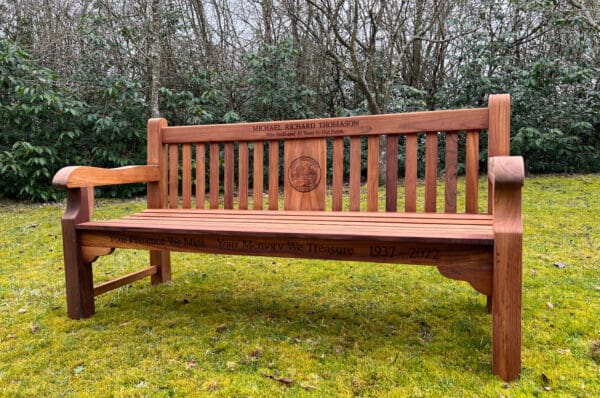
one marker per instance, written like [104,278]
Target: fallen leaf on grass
[221,328]
[564,351]
[545,382]
[191,364]
[560,265]
[550,305]
[34,328]
[284,380]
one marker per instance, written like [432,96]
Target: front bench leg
[162,259]
[78,273]
[506,176]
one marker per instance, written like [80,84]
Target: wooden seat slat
[304,231]
[316,223]
[343,217]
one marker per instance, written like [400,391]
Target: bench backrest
[196,161]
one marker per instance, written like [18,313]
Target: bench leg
[161,258]
[488,304]
[78,277]
[506,309]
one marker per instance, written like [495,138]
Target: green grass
[334,329]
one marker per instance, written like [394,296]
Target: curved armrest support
[86,176]
[507,170]
[506,175]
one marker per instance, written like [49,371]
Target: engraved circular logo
[304,174]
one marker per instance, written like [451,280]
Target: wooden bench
[482,248]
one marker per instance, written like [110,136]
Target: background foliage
[78,79]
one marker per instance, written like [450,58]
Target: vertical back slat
[472,171]
[257,185]
[213,180]
[391,175]
[355,167]
[273,175]
[410,179]
[337,183]
[431,152]
[451,169]
[228,177]
[173,176]
[186,176]
[243,175]
[200,175]
[372,172]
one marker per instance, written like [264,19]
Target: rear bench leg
[506,309]
[162,259]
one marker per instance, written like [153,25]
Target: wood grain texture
[214,177]
[355,169]
[78,274]
[124,280]
[372,172]
[305,174]
[257,185]
[186,176]
[243,175]
[337,183]
[451,164]
[200,176]
[472,172]
[391,176]
[273,172]
[228,185]
[173,176]
[401,123]
[498,132]
[410,177]
[431,164]
[83,176]
[156,197]
[507,176]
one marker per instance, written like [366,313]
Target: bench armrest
[86,176]
[506,177]
[506,171]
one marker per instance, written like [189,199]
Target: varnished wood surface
[410,176]
[456,119]
[472,172]
[431,158]
[299,224]
[451,171]
[84,176]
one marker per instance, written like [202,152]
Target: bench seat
[425,238]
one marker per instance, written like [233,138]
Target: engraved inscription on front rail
[295,247]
